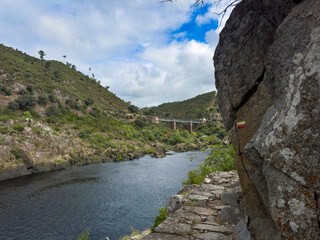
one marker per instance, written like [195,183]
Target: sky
[147,52]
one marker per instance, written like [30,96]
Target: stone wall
[267,69]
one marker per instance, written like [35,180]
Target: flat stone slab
[183,215]
[173,227]
[198,198]
[211,236]
[210,228]
[198,210]
[162,236]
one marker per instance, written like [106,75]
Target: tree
[230,3]
[64,58]
[42,54]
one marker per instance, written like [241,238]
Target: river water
[106,198]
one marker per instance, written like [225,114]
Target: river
[106,198]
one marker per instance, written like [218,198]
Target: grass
[133,233]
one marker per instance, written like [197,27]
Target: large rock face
[267,68]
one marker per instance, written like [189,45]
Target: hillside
[54,117]
[53,77]
[202,106]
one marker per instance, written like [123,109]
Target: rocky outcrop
[207,211]
[267,69]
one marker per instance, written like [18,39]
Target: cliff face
[267,69]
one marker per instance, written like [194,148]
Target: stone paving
[209,211]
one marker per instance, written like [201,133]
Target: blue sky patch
[193,31]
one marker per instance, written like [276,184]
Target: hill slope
[201,106]
[54,117]
[53,77]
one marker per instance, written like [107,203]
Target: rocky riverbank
[214,210]
[28,146]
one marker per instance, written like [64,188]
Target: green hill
[201,106]
[54,117]
[53,77]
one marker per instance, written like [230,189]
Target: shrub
[5,90]
[34,113]
[52,98]
[86,132]
[84,235]
[98,140]
[14,106]
[133,109]
[30,89]
[160,218]
[18,127]
[221,158]
[27,114]
[42,100]
[88,102]
[140,122]
[26,102]
[22,91]
[16,152]
[3,130]
[53,111]
[196,176]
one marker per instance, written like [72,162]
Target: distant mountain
[18,70]
[202,106]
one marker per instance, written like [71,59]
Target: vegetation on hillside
[202,106]
[48,106]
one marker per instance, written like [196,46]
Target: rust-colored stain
[307,194]
[312,179]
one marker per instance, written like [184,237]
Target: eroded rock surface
[267,68]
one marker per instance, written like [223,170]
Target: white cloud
[126,43]
[175,72]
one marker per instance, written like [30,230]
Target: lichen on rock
[267,69]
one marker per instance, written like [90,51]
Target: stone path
[209,211]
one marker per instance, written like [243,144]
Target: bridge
[175,121]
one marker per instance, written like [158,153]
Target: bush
[221,158]
[22,91]
[196,176]
[16,152]
[27,114]
[53,111]
[160,218]
[141,122]
[14,106]
[52,98]
[84,235]
[18,127]
[6,91]
[42,100]
[30,89]
[88,102]
[86,132]
[3,130]
[26,102]
[99,140]
[133,109]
